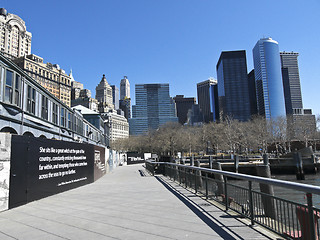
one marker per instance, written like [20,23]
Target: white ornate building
[15,40]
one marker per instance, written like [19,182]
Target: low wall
[33,168]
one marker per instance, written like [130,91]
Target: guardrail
[290,219]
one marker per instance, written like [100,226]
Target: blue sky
[168,41]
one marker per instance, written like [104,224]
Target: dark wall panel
[43,167]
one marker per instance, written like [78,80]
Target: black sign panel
[50,167]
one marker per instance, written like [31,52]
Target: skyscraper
[267,69]
[124,88]
[183,105]
[233,92]
[154,107]
[252,93]
[15,40]
[207,92]
[300,120]
[104,95]
[115,96]
[291,82]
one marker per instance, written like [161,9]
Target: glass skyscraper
[154,107]
[233,88]
[291,82]
[207,92]
[267,69]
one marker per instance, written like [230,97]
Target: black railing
[290,219]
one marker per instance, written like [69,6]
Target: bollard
[210,162]
[219,178]
[236,163]
[299,166]
[267,201]
[192,160]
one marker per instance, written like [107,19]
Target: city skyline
[180,47]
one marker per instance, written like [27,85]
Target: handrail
[281,183]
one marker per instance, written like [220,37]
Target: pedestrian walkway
[127,203]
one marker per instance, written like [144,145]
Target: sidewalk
[125,204]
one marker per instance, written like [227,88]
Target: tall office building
[104,95]
[15,40]
[300,120]
[125,106]
[291,82]
[267,69]
[207,92]
[154,107]
[183,105]
[115,96]
[233,92]
[252,93]
[124,88]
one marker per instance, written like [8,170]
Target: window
[44,108]
[31,100]
[9,86]
[69,120]
[63,117]
[17,91]
[55,113]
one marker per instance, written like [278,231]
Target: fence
[289,219]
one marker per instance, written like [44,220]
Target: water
[297,196]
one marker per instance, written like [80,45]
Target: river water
[297,196]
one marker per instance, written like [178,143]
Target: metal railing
[289,219]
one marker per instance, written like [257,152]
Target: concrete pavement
[127,203]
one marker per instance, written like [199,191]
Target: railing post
[195,181]
[311,217]
[251,203]
[226,192]
[206,185]
[185,173]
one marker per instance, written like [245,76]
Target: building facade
[183,105]
[124,88]
[115,96]
[291,82]
[125,106]
[252,93]
[15,40]
[267,70]
[117,126]
[233,88]
[154,107]
[300,121]
[49,75]
[207,92]
[104,95]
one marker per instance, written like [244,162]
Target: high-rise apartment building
[124,88]
[291,82]
[233,89]
[267,69]
[154,107]
[49,75]
[15,40]
[207,92]
[104,95]
[183,105]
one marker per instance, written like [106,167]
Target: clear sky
[168,41]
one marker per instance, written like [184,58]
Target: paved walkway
[124,204]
